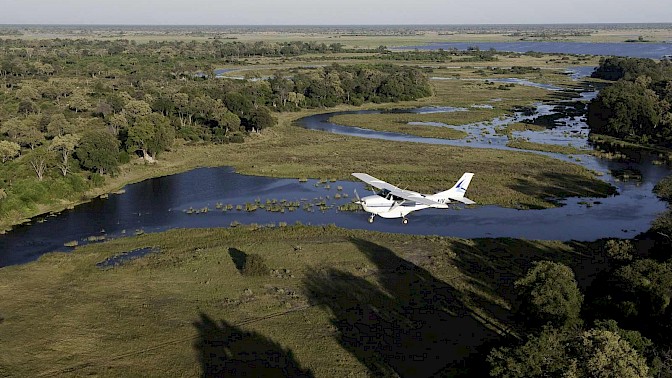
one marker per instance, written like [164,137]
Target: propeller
[359,200]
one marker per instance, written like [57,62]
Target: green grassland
[555,148]
[338,302]
[398,123]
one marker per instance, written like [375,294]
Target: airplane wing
[376,183]
[405,194]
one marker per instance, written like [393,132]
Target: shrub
[663,189]
[255,266]
[237,138]
[620,250]
[97,179]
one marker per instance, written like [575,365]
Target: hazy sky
[313,12]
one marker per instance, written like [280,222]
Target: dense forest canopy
[637,107]
[618,327]
[71,111]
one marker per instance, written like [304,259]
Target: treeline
[620,327]
[336,84]
[637,107]
[442,55]
[73,111]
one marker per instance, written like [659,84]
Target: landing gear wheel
[371,219]
[404,221]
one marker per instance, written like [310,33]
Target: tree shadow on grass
[411,324]
[225,350]
[494,265]
[238,257]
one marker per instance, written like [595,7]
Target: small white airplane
[393,202]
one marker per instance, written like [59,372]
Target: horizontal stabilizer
[464,200]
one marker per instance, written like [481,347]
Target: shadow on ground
[411,324]
[559,185]
[225,350]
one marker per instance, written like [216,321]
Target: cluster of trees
[73,110]
[637,107]
[621,327]
[40,57]
[616,68]
[442,55]
[336,84]
[558,344]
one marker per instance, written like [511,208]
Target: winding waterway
[176,201]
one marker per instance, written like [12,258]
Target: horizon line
[328,25]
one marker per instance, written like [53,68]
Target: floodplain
[326,301]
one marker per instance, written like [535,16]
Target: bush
[255,266]
[124,157]
[97,180]
[663,189]
[549,294]
[620,250]
[237,138]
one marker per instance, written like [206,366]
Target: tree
[619,250]
[117,123]
[137,108]
[604,354]
[631,110]
[24,132]
[79,102]
[150,134]
[549,294]
[646,283]
[58,125]
[261,118]
[64,146]
[542,355]
[238,104]
[98,151]
[39,160]
[555,353]
[9,150]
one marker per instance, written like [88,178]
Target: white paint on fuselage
[387,208]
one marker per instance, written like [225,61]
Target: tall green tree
[9,150]
[58,125]
[39,159]
[549,294]
[604,354]
[150,135]
[98,151]
[64,146]
[559,353]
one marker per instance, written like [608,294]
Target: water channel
[177,201]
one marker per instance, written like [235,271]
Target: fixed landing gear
[371,218]
[404,221]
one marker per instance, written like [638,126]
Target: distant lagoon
[631,49]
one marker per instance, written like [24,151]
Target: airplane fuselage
[388,208]
[393,202]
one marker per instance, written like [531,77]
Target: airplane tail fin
[458,190]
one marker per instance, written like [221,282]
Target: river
[176,201]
